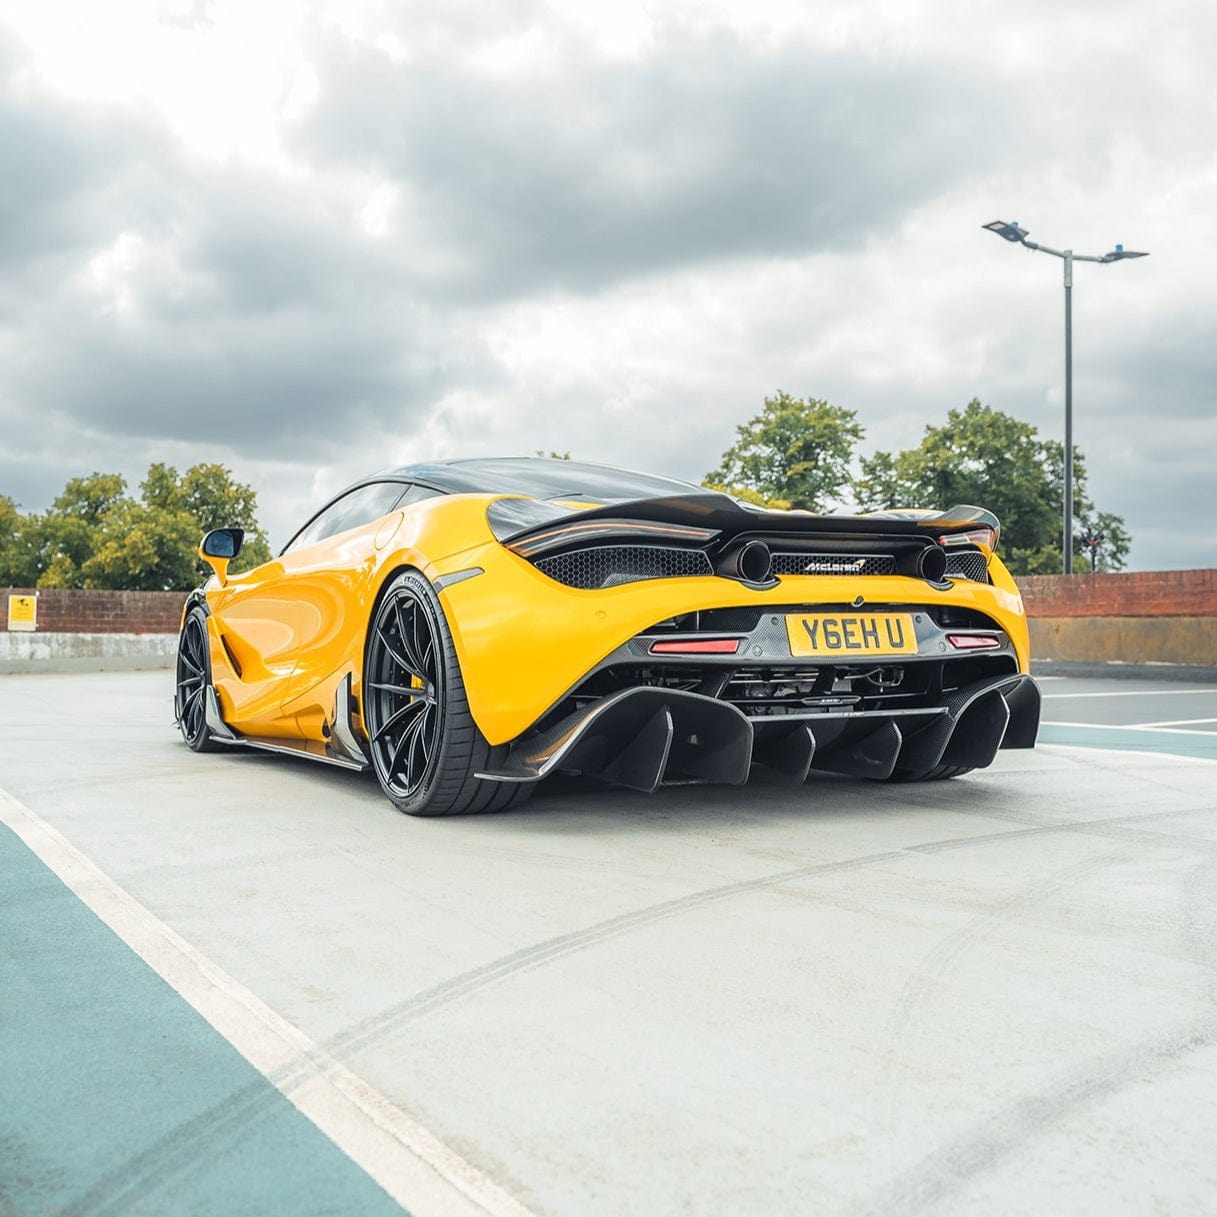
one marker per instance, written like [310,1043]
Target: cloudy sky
[310,240]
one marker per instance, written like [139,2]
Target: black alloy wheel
[425,746]
[193,681]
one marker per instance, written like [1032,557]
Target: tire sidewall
[420,590]
[195,617]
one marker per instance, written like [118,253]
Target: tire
[193,680]
[425,746]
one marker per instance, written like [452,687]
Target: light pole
[1010,231]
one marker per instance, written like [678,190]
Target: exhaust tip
[932,564]
[755,562]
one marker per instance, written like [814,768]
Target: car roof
[540,477]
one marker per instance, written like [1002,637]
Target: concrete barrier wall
[1191,641]
[1145,617]
[92,631]
[21,653]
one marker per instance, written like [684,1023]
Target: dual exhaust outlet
[752,563]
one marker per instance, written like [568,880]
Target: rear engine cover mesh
[968,564]
[610,565]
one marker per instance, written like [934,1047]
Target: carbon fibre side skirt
[341,748]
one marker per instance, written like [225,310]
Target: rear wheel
[424,744]
[193,681]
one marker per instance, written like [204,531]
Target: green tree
[17,557]
[797,450]
[143,548]
[63,537]
[213,499]
[749,496]
[96,535]
[987,458]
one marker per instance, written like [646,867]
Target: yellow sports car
[468,627]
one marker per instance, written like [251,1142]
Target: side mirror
[219,547]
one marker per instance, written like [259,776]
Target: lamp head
[1007,229]
[1120,253]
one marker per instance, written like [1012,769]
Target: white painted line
[1128,727]
[1177,722]
[418,1170]
[1131,754]
[1143,693]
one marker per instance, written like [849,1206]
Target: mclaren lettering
[835,567]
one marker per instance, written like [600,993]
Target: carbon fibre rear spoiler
[534,525]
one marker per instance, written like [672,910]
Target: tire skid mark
[1006,1131]
[175,1153]
[941,960]
[154,1169]
[369,1031]
[180,1147]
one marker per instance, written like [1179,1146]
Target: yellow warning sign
[22,613]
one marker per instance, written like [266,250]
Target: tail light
[986,538]
[697,646]
[974,642]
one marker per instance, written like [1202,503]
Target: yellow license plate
[832,635]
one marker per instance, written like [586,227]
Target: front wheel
[424,744]
[193,681]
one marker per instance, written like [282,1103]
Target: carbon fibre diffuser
[644,736]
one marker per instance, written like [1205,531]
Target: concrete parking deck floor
[988,995]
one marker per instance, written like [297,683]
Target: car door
[332,575]
[285,621]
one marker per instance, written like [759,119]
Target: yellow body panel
[296,626]
[524,640]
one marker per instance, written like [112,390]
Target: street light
[1009,230]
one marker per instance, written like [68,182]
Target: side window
[416,494]
[361,506]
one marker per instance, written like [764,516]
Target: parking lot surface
[993,994]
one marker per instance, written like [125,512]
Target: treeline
[97,535]
[796,453]
[803,453]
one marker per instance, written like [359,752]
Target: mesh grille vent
[969,564]
[609,565]
[833,564]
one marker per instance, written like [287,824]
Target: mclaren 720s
[467,628]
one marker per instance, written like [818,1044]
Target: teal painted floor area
[117,1098]
[1202,744]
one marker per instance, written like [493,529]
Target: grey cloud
[255,316]
[291,384]
[706,150]
[56,176]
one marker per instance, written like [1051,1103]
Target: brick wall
[1158,616]
[1154,593]
[87,612]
